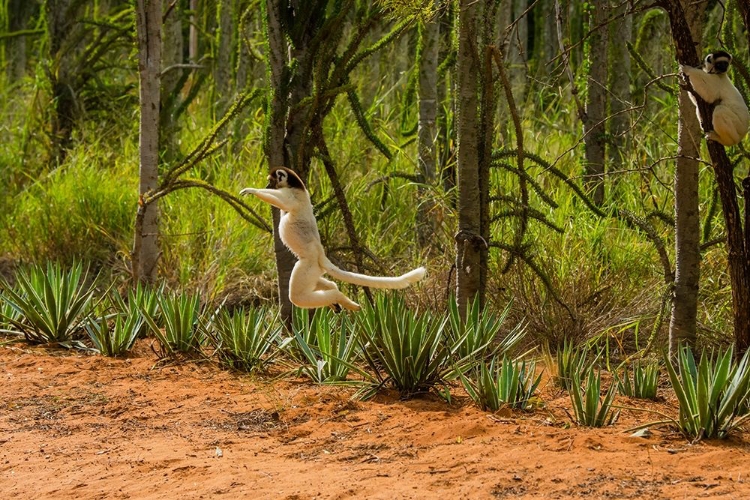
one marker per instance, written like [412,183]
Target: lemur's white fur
[731,118]
[298,230]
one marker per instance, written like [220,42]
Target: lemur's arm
[276,197]
[705,84]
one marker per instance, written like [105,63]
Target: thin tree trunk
[223,65]
[60,24]
[172,50]
[682,326]
[596,104]
[19,14]
[274,146]
[736,239]
[427,131]
[146,246]
[468,238]
[193,32]
[620,34]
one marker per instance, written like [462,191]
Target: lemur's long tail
[374,281]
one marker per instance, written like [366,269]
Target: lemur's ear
[282,177]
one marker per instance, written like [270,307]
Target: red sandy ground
[80,426]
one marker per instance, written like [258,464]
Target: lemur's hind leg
[724,129]
[305,292]
[324,284]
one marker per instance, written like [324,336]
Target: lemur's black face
[282,177]
[717,62]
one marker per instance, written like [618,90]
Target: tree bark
[61,22]
[223,65]
[19,14]
[683,323]
[274,143]
[427,129]
[146,246]
[172,50]
[738,258]
[468,238]
[620,34]
[596,104]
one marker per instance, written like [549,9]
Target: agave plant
[144,298]
[115,334]
[50,304]
[405,349]
[244,339]
[479,330]
[182,332]
[713,394]
[572,362]
[643,383]
[509,384]
[589,409]
[8,315]
[328,346]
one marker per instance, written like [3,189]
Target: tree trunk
[682,326]
[223,64]
[61,22]
[171,81]
[19,14]
[596,104]
[468,238]
[736,238]
[620,34]
[146,246]
[427,131]
[193,55]
[274,144]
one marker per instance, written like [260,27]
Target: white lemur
[299,232]
[731,117]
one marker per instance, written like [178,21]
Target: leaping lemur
[731,118]
[298,230]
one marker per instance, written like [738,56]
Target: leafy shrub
[143,299]
[243,340]
[589,408]
[511,383]
[182,330]
[643,383]
[713,394]
[51,304]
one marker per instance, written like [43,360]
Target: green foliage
[182,332]
[572,365]
[643,383]
[480,329]
[50,304]
[713,394]
[589,409]
[143,300]
[511,383]
[114,335]
[81,213]
[245,339]
[406,349]
[328,346]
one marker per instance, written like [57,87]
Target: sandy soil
[80,426]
